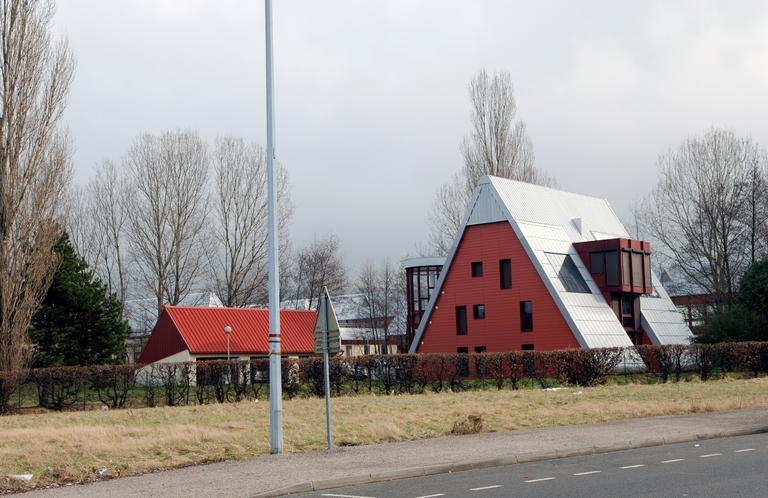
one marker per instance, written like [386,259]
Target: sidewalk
[281,474]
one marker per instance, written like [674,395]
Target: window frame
[526,318]
[461,320]
[477,269]
[505,273]
[478,311]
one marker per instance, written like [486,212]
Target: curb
[447,468]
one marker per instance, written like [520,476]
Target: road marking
[486,487]
[348,496]
[431,496]
[632,466]
[711,454]
[675,460]
[587,473]
[742,451]
[543,479]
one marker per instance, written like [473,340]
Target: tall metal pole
[275,384]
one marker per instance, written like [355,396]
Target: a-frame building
[539,268]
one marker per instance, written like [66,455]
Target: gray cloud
[371,96]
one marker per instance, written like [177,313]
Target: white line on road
[742,451]
[486,487]
[587,473]
[675,460]
[711,454]
[347,496]
[543,479]
[431,496]
[632,466]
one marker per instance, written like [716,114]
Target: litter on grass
[21,477]
[556,388]
[102,471]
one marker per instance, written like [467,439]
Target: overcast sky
[371,96]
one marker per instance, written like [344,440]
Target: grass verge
[59,448]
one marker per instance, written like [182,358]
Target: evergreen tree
[747,320]
[78,323]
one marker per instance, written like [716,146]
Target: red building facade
[538,268]
[501,327]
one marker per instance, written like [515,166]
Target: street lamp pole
[227,330]
[275,382]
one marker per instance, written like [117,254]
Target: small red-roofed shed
[188,333]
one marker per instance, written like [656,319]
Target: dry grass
[61,447]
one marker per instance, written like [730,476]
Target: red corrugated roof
[202,329]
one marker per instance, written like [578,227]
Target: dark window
[611,267]
[505,268]
[366,349]
[527,347]
[526,316]
[461,320]
[463,363]
[627,315]
[478,311]
[477,269]
[569,275]
[596,262]
[479,349]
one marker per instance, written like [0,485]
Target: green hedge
[221,381]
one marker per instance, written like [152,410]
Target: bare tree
[495,147]
[107,207]
[167,176]
[755,213]
[381,295]
[705,211]
[35,164]
[319,264]
[240,267]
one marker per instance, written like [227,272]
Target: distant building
[192,333]
[538,268]
[695,308]
[142,317]
[360,334]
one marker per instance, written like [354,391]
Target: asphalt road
[735,466]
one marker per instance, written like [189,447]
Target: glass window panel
[611,267]
[637,269]
[505,269]
[647,269]
[479,311]
[477,269]
[568,273]
[596,262]
[526,316]
[625,268]
[461,320]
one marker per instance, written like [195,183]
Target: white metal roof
[551,220]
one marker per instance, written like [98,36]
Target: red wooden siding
[500,330]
